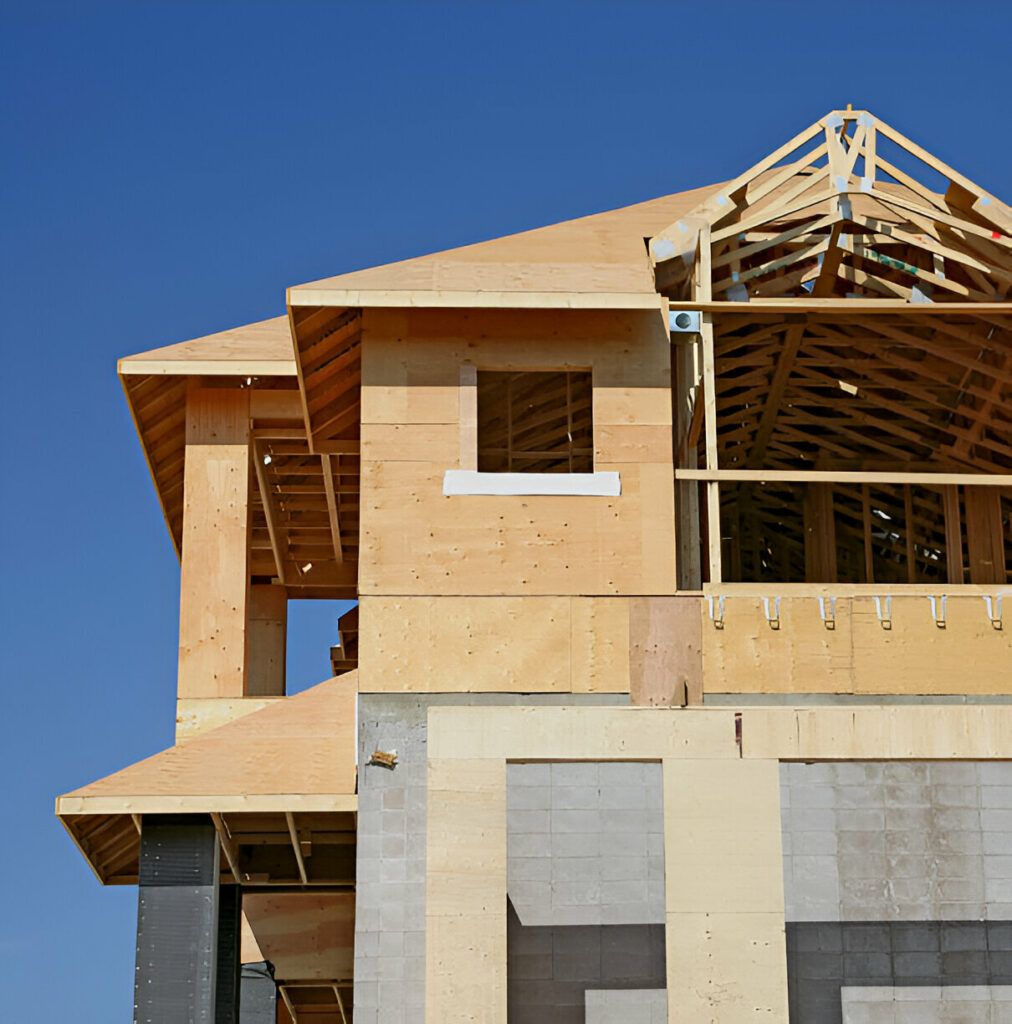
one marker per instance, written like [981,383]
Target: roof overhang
[286,768]
[309,295]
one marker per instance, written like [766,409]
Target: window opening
[535,422]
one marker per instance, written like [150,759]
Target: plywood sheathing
[254,350]
[910,654]
[202,714]
[155,385]
[306,936]
[649,647]
[214,587]
[597,261]
[418,541]
[299,750]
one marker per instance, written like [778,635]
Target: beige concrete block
[580,733]
[465,969]
[722,843]
[726,968]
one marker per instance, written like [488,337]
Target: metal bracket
[885,620]
[829,621]
[683,321]
[718,620]
[938,610]
[993,610]
[774,619]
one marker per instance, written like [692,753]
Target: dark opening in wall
[535,422]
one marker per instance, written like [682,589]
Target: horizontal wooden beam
[813,476]
[863,306]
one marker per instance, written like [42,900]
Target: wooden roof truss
[855,321]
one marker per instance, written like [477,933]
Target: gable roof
[599,261]
[259,350]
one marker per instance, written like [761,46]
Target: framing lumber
[845,476]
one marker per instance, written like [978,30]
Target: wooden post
[953,535]
[469,416]
[710,433]
[984,537]
[820,534]
[214,586]
[266,641]
[687,402]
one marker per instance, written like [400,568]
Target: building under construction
[679,687]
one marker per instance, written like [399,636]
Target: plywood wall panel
[914,655]
[665,651]
[600,645]
[214,581]
[416,541]
[453,644]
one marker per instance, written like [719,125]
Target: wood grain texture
[307,936]
[857,656]
[214,586]
[665,651]
[303,744]
[416,541]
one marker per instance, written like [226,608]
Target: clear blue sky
[166,169]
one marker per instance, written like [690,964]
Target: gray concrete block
[528,821]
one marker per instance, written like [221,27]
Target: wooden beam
[335,522]
[279,544]
[845,476]
[228,848]
[778,385]
[290,820]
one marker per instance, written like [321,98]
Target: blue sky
[166,169]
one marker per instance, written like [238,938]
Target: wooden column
[688,408]
[214,587]
[266,641]
[820,534]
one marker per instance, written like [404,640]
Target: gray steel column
[187,933]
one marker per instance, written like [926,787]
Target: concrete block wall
[585,881]
[390,899]
[898,876]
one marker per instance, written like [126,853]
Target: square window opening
[535,421]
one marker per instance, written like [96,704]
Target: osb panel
[307,936]
[416,541]
[858,655]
